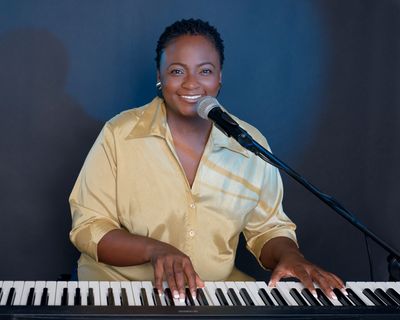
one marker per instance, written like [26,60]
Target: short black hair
[190,27]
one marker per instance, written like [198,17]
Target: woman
[165,195]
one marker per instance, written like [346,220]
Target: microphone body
[209,108]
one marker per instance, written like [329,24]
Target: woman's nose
[190,82]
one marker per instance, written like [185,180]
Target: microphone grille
[205,105]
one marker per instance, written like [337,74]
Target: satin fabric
[132,179]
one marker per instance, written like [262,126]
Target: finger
[324,282]
[276,276]
[192,278]
[306,280]
[170,277]
[158,276]
[179,279]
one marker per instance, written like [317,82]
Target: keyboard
[240,300]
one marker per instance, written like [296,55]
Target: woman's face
[189,69]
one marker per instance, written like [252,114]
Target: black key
[309,297]
[168,297]
[64,297]
[201,297]
[11,297]
[341,297]
[371,296]
[355,298]
[384,297]
[77,297]
[246,297]
[124,297]
[1,292]
[143,297]
[221,297]
[31,297]
[44,300]
[323,298]
[156,297]
[278,297]
[234,298]
[110,297]
[394,295]
[267,299]
[189,299]
[297,297]
[90,298]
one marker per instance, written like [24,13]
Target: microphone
[209,108]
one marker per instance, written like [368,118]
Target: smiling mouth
[191,98]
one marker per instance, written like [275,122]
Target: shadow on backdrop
[45,136]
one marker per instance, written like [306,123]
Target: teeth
[191,97]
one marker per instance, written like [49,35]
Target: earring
[159,85]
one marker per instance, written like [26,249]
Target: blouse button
[192,233]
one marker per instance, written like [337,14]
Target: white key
[7,285]
[104,285]
[51,290]
[72,285]
[177,301]
[25,293]
[94,285]
[232,285]
[116,287]
[284,288]
[84,286]
[358,287]
[19,287]
[39,286]
[129,294]
[221,285]
[61,285]
[252,290]
[263,285]
[148,286]
[209,290]
[136,286]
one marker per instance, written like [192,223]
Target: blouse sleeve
[93,198]
[268,220]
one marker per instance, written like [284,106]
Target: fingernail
[334,296]
[176,294]
[314,293]
[182,297]
[194,294]
[344,291]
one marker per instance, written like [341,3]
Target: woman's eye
[206,71]
[176,71]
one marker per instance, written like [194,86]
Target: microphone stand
[231,128]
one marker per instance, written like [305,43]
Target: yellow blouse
[132,179]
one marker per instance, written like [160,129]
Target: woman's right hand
[176,267]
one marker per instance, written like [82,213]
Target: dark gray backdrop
[320,79]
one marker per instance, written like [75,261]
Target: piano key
[72,286]
[209,290]
[94,293]
[371,296]
[148,286]
[44,299]
[357,287]
[19,288]
[270,294]
[284,289]
[143,297]
[222,293]
[384,297]
[77,297]
[156,297]
[28,294]
[234,298]
[342,298]
[104,286]
[116,289]
[51,292]
[61,285]
[394,295]
[39,287]
[323,298]
[136,286]
[351,295]
[64,297]
[11,297]
[310,297]
[189,299]
[110,297]
[84,289]
[126,285]
[254,299]
[246,297]
[201,297]
[232,285]
[253,290]
[177,301]
[124,297]
[168,297]
[6,287]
